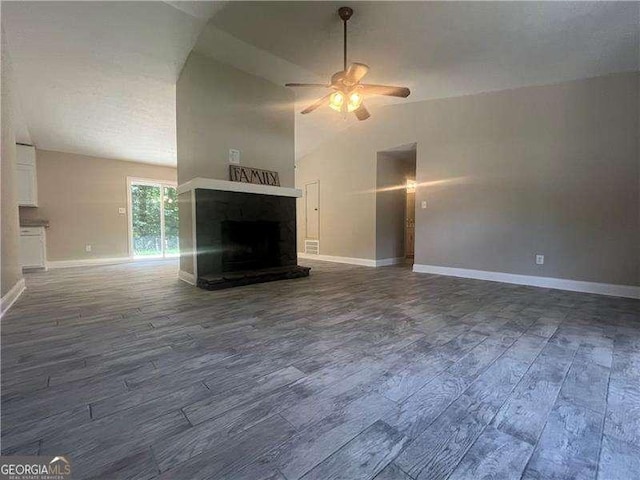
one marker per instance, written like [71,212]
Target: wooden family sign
[253,175]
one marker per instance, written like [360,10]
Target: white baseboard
[385,262]
[88,262]
[628,291]
[365,262]
[11,296]
[187,277]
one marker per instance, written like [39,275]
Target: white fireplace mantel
[227,186]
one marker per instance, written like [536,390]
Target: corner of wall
[11,273]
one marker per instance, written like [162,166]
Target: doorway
[395,205]
[153,219]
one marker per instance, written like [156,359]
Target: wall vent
[312,247]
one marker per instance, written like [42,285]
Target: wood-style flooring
[352,373]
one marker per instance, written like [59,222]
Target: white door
[312,213]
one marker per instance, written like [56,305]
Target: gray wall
[10,230]
[506,175]
[392,172]
[219,108]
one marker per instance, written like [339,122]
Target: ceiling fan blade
[317,85]
[355,72]
[362,113]
[387,90]
[315,105]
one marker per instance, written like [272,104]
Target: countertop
[34,223]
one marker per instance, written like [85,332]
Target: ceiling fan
[348,93]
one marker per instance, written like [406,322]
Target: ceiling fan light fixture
[336,100]
[355,100]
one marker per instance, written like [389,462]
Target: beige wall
[219,108]
[347,177]
[9,227]
[506,175]
[80,197]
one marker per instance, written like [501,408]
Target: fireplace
[249,245]
[244,238]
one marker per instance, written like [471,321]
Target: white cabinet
[32,247]
[27,179]
[27,189]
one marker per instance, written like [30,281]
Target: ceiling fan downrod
[345,14]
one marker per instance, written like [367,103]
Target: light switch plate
[87,248]
[234,156]
[122,210]
[539,259]
[423,204]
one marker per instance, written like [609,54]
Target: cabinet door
[27,186]
[25,155]
[31,251]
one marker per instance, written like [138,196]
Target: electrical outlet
[423,204]
[87,248]
[122,210]
[539,259]
[234,156]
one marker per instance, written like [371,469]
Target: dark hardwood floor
[352,373]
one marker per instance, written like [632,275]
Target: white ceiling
[99,78]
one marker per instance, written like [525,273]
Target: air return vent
[312,247]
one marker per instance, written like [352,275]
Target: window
[153,223]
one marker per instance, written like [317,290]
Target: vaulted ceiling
[438,49]
[99,78]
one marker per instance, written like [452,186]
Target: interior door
[410,226]
[312,207]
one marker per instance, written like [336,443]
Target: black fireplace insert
[250,245]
